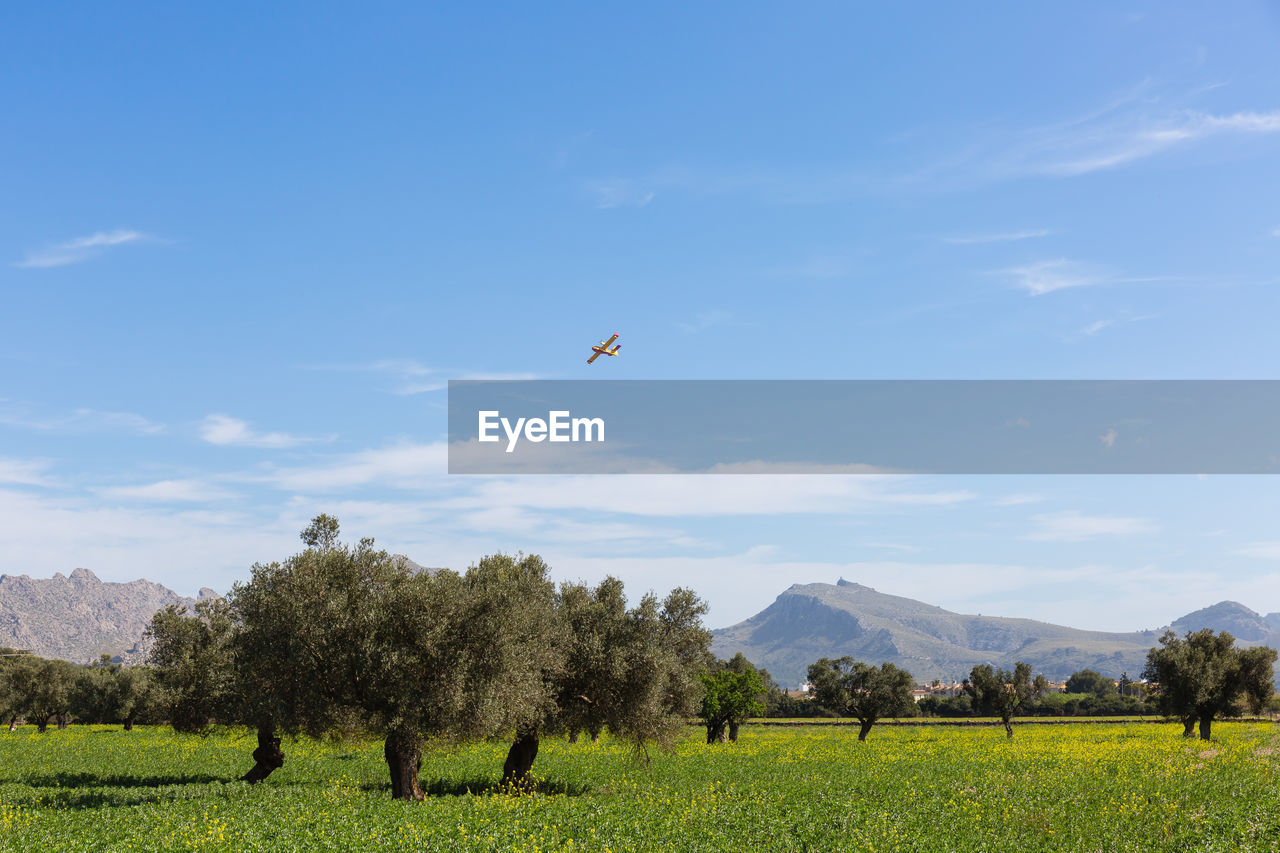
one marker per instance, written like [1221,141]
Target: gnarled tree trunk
[62,722]
[520,758]
[864,729]
[573,736]
[733,730]
[595,734]
[1008,729]
[715,731]
[13,724]
[1189,727]
[267,757]
[404,759]
[1206,723]
[42,724]
[128,724]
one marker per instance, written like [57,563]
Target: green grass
[1065,787]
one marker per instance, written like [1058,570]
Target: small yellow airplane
[603,348]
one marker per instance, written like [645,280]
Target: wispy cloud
[1095,327]
[1074,526]
[705,320]
[409,466]
[1047,276]
[411,377]
[1108,438]
[226,430]
[1262,550]
[80,249]
[81,420]
[24,472]
[1018,499]
[1041,277]
[1002,237]
[167,491]
[620,192]
[1108,147]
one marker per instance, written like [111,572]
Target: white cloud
[1018,500]
[1047,276]
[1110,142]
[79,249]
[226,430]
[685,495]
[1261,550]
[1004,237]
[183,549]
[1072,526]
[411,377]
[81,420]
[1108,438]
[407,466]
[1097,326]
[1041,277]
[24,472]
[167,491]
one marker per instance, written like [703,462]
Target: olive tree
[1202,675]
[633,671]
[855,689]
[1002,693]
[192,662]
[733,690]
[43,691]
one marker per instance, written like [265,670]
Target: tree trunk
[13,724]
[865,729]
[715,732]
[1206,723]
[733,731]
[62,722]
[267,757]
[404,759]
[595,735]
[1008,729]
[520,758]
[1189,727]
[128,724]
[42,724]
[573,736]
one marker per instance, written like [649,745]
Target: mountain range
[811,621]
[80,617]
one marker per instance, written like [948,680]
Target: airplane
[603,348]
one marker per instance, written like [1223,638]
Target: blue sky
[242,252]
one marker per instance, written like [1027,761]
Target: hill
[810,621]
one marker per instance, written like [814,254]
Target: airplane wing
[603,346]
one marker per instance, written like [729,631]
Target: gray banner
[864,426]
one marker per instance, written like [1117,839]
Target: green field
[1065,787]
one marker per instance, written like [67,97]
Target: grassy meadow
[1066,787]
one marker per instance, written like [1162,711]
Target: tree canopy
[867,693]
[344,638]
[733,690]
[1202,675]
[1002,693]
